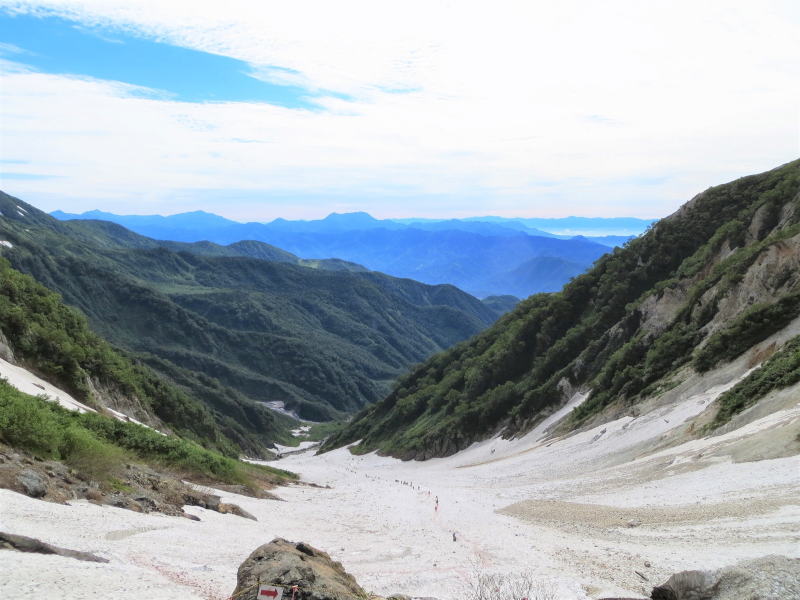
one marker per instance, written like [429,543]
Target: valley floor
[609,511]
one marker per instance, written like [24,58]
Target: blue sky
[60,46]
[256,110]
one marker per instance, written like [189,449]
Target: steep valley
[235,332]
[643,421]
[608,512]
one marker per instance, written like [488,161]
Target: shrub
[751,327]
[780,371]
[89,455]
[97,445]
[27,424]
[507,586]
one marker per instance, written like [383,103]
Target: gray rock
[767,578]
[147,503]
[212,502]
[633,523]
[23,543]
[234,509]
[33,483]
[287,564]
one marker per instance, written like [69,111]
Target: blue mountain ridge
[485,258]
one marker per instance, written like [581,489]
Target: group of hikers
[435,500]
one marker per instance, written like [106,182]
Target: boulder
[286,564]
[33,483]
[234,509]
[767,578]
[23,543]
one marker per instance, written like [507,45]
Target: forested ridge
[597,332]
[55,341]
[235,331]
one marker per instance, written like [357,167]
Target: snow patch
[301,431]
[28,383]
[380,518]
[280,407]
[299,448]
[123,417]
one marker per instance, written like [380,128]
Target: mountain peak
[357,216]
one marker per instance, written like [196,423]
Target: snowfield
[591,514]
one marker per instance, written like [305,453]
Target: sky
[436,108]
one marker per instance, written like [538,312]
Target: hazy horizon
[323,216]
[434,109]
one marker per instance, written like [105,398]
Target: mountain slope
[237,331]
[479,257]
[106,234]
[40,333]
[479,264]
[718,269]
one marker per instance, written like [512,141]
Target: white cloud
[511,107]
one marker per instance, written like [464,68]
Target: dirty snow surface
[606,512]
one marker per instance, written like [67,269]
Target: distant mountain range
[483,256]
[239,325]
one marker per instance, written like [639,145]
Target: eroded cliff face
[774,273]
[768,244]
[626,331]
[124,405]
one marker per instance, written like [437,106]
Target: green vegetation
[234,332]
[752,326]
[320,431]
[594,333]
[99,445]
[56,340]
[780,371]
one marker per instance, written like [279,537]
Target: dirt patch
[554,512]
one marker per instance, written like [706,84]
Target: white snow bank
[280,407]
[27,382]
[299,448]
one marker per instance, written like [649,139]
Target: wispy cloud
[10,49]
[25,176]
[597,101]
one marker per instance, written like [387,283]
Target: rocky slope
[699,289]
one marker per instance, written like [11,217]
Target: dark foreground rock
[287,564]
[766,578]
[23,543]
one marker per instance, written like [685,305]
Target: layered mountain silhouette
[483,257]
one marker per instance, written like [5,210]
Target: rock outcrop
[135,487]
[766,578]
[286,564]
[23,543]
